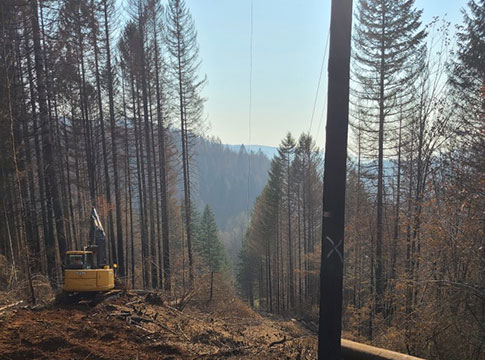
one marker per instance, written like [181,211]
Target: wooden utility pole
[331,271]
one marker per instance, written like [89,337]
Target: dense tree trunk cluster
[88,119]
[279,267]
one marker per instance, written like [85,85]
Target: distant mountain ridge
[269,151]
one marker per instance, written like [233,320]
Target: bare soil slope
[136,327]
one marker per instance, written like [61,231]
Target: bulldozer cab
[79,260]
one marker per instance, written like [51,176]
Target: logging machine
[86,272]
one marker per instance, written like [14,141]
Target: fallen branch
[141,319]
[166,328]
[133,302]
[146,330]
[3,308]
[182,302]
[122,315]
[185,336]
[177,311]
[278,342]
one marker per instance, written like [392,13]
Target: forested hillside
[229,182]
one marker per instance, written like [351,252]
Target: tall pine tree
[468,87]
[389,49]
[468,80]
[181,41]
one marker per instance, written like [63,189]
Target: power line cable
[321,117]
[319,82]
[250,104]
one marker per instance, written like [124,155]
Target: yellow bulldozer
[86,272]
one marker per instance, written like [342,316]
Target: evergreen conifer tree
[389,53]
[285,152]
[468,87]
[209,245]
[183,50]
[468,80]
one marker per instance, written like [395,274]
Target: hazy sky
[288,44]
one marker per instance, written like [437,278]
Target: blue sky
[288,44]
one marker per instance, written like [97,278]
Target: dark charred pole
[331,272]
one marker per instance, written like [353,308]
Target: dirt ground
[132,327]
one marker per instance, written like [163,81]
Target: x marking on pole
[335,248]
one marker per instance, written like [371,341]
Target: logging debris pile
[136,326]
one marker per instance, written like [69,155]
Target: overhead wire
[250,106]
[321,116]
[324,107]
[324,57]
